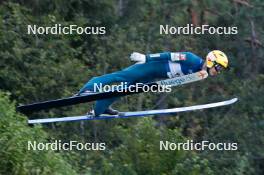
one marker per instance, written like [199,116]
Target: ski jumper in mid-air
[155,66]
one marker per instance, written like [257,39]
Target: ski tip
[233,100]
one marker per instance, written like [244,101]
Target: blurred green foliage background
[40,67]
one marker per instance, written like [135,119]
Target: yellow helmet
[216,57]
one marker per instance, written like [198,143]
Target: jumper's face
[216,69]
[213,72]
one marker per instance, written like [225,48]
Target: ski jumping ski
[135,114]
[103,95]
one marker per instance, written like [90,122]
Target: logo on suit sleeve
[176,56]
[182,56]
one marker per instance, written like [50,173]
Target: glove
[138,57]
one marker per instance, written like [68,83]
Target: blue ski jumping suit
[157,66]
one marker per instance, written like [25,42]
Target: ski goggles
[218,68]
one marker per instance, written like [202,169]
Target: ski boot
[111,111]
[87,92]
